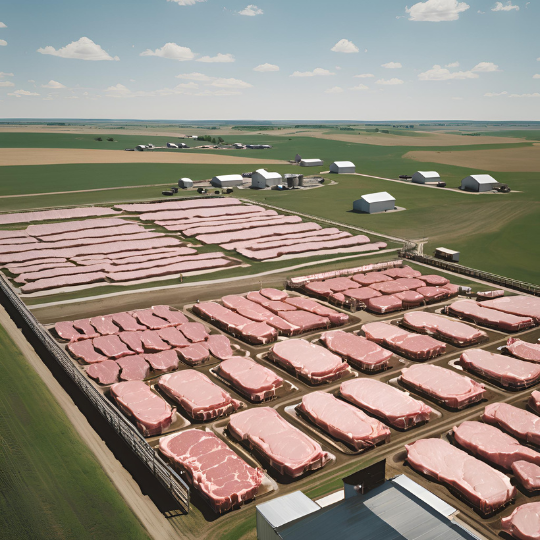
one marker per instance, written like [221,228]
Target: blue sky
[428,60]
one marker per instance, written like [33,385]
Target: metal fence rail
[172,482]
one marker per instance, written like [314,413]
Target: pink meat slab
[84,326]
[259,333]
[173,316]
[97,232]
[217,221]
[132,340]
[58,272]
[467,309]
[148,319]
[249,378]
[523,349]
[84,350]
[434,280]
[452,289]
[370,278]
[341,284]
[225,318]
[121,266]
[125,258]
[277,306]
[163,361]
[104,325]
[43,264]
[388,287]
[410,283]
[258,298]
[457,333]
[274,294]
[358,351]
[151,413]
[305,304]
[288,450]
[13,234]
[134,368]
[139,208]
[315,363]
[64,281]
[127,322]
[318,288]
[524,522]
[194,354]
[454,390]
[198,395]
[224,480]
[386,402]
[505,370]
[343,421]
[534,401]
[152,342]
[486,488]
[402,272]
[522,306]
[46,215]
[200,212]
[416,347]
[307,322]
[518,422]
[528,475]
[362,294]
[240,226]
[17,241]
[105,372]
[433,294]
[194,331]
[67,331]
[410,298]
[219,346]
[26,272]
[381,332]
[384,304]
[173,337]
[111,346]
[70,226]
[493,445]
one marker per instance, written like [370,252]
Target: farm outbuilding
[479,182]
[185,183]
[374,202]
[311,162]
[261,179]
[342,167]
[172,145]
[425,177]
[227,180]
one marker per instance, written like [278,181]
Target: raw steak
[66,330]
[454,390]
[434,280]
[148,319]
[505,370]
[97,232]
[152,342]
[173,337]
[524,350]
[288,450]
[194,331]
[315,363]
[198,395]
[372,277]
[523,306]
[340,284]
[50,215]
[174,317]
[219,346]
[395,407]
[200,212]
[151,413]
[163,361]
[105,372]
[457,333]
[381,332]
[403,272]
[224,317]
[249,378]
[318,288]
[59,272]
[304,320]
[111,346]
[139,208]
[126,322]
[384,304]
[357,350]
[134,368]
[343,421]
[132,340]
[277,306]
[410,298]
[483,486]
[524,522]
[311,306]
[433,294]
[194,354]
[528,475]
[259,333]
[388,287]
[104,325]
[411,283]
[84,350]
[492,445]
[518,422]
[467,309]
[70,226]
[84,326]
[225,480]
[362,294]
[274,294]
[534,401]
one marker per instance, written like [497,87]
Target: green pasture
[51,485]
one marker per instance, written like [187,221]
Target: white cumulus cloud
[186,2]
[172,51]
[19,93]
[485,67]
[392,65]
[535,95]
[499,6]
[436,10]
[317,72]
[6,83]
[230,83]
[2,25]
[345,46]
[495,94]
[266,67]
[452,65]
[194,76]
[4,74]
[536,76]
[53,84]
[390,82]
[3,42]
[118,90]
[219,58]
[438,73]
[83,49]
[334,90]
[365,75]
[251,11]
[360,87]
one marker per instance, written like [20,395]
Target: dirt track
[60,156]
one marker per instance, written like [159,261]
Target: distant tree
[214,141]
[99,139]
[110,139]
[201,138]
[221,139]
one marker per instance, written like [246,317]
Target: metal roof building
[479,182]
[311,163]
[261,179]
[227,180]
[374,202]
[342,167]
[185,183]
[423,177]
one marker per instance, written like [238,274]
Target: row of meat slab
[253,231]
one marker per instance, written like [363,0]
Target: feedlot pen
[345,460]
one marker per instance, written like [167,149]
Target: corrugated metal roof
[287,508]
[484,178]
[343,163]
[378,197]
[229,177]
[428,174]
[268,175]
[310,160]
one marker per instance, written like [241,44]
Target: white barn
[311,163]
[374,202]
[227,180]
[342,167]
[479,182]
[261,179]
[425,177]
[185,183]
